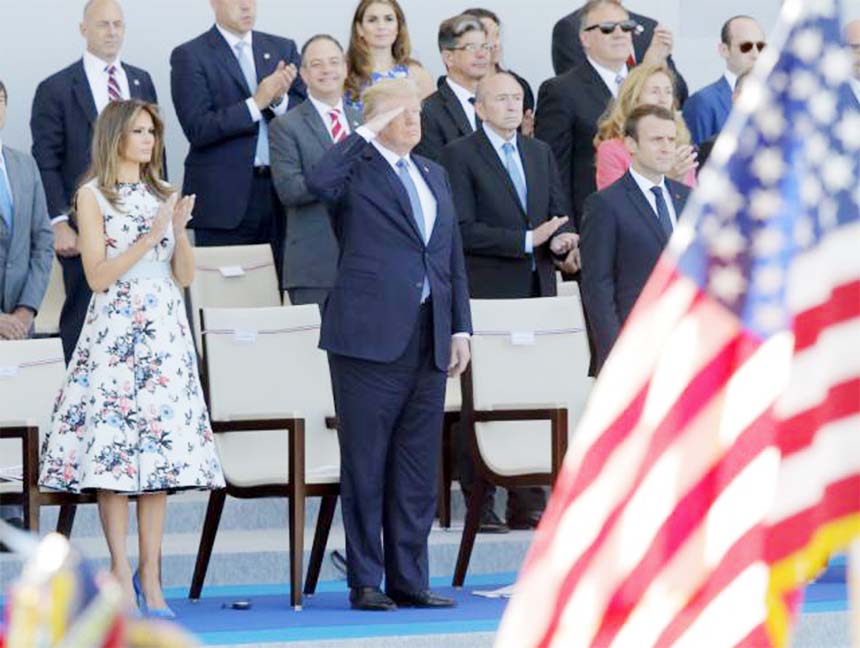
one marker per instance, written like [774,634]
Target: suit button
[420,284]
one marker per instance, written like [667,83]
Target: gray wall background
[39,37]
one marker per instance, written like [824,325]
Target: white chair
[31,374]
[271,404]
[235,276]
[566,288]
[47,321]
[526,387]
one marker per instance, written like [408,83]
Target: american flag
[717,465]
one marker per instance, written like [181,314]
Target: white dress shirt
[855,86]
[4,175]
[323,109]
[97,76]
[731,78]
[645,185]
[248,39]
[463,96]
[498,142]
[609,76]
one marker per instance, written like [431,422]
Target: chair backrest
[31,374]
[237,276]
[48,318]
[527,354]
[264,363]
[566,288]
[286,300]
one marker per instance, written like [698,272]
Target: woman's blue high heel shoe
[145,610]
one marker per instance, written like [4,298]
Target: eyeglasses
[627,26]
[473,47]
[746,46]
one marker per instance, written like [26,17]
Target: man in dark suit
[651,42]
[449,113]
[570,105]
[741,42]
[510,205]
[227,85]
[397,319]
[626,226]
[298,140]
[65,108]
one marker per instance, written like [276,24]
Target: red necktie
[337,131]
[631,61]
[114,93]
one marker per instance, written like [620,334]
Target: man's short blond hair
[386,89]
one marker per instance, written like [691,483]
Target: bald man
[65,107]
[851,36]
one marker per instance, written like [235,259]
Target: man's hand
[12,328]
[661,46]
[275,85]
[380,121]
[685,161]
[65,240]
[563,243]
[543,232]
[460,356]
[571,263]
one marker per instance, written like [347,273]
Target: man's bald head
[851,36]
[103,27]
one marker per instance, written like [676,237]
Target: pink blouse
[613,160]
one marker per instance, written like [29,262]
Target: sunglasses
[746,46]
[627,26]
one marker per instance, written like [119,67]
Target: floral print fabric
[131,416]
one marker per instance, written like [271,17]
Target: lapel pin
[136,82]
[267,56]
[426,170]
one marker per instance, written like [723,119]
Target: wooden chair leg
[445,471]
[470,530]
[30,469]
[66,519]
[328,503]
[297,512]
[207,541]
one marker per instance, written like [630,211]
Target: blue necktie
[662,211]
[514,173]
[417,211]
[5,198]
[247,65]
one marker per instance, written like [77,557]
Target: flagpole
[854,589]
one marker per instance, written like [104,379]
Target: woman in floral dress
[130,418]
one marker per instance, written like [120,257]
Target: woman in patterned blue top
[379,48]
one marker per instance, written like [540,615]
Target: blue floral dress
[130,416]
[397,72]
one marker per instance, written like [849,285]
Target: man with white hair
[396,320]
[851,36]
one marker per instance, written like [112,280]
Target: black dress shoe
[491,523]
[530,520]
[422,599]
[370,598]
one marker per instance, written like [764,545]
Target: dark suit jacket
[569,107]
[621,242]
[298,139]
[442,121]
[61,124]
[707,110]
[492,221]
[567,49]
[372,312]
[209,93]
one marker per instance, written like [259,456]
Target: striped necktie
[114,93]
[337,132]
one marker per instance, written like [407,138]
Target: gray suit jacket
[25,260]
[298,140]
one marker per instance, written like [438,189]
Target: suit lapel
[16,181]
[135,89]
[533,174]
[725,95]
[596,87]
[486,150]
[83,94]
[437,187]
[644,208]
[315,123]
[227,59]
[264,59]
[679,199]
[353,117]
[399,191]
[455,110]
